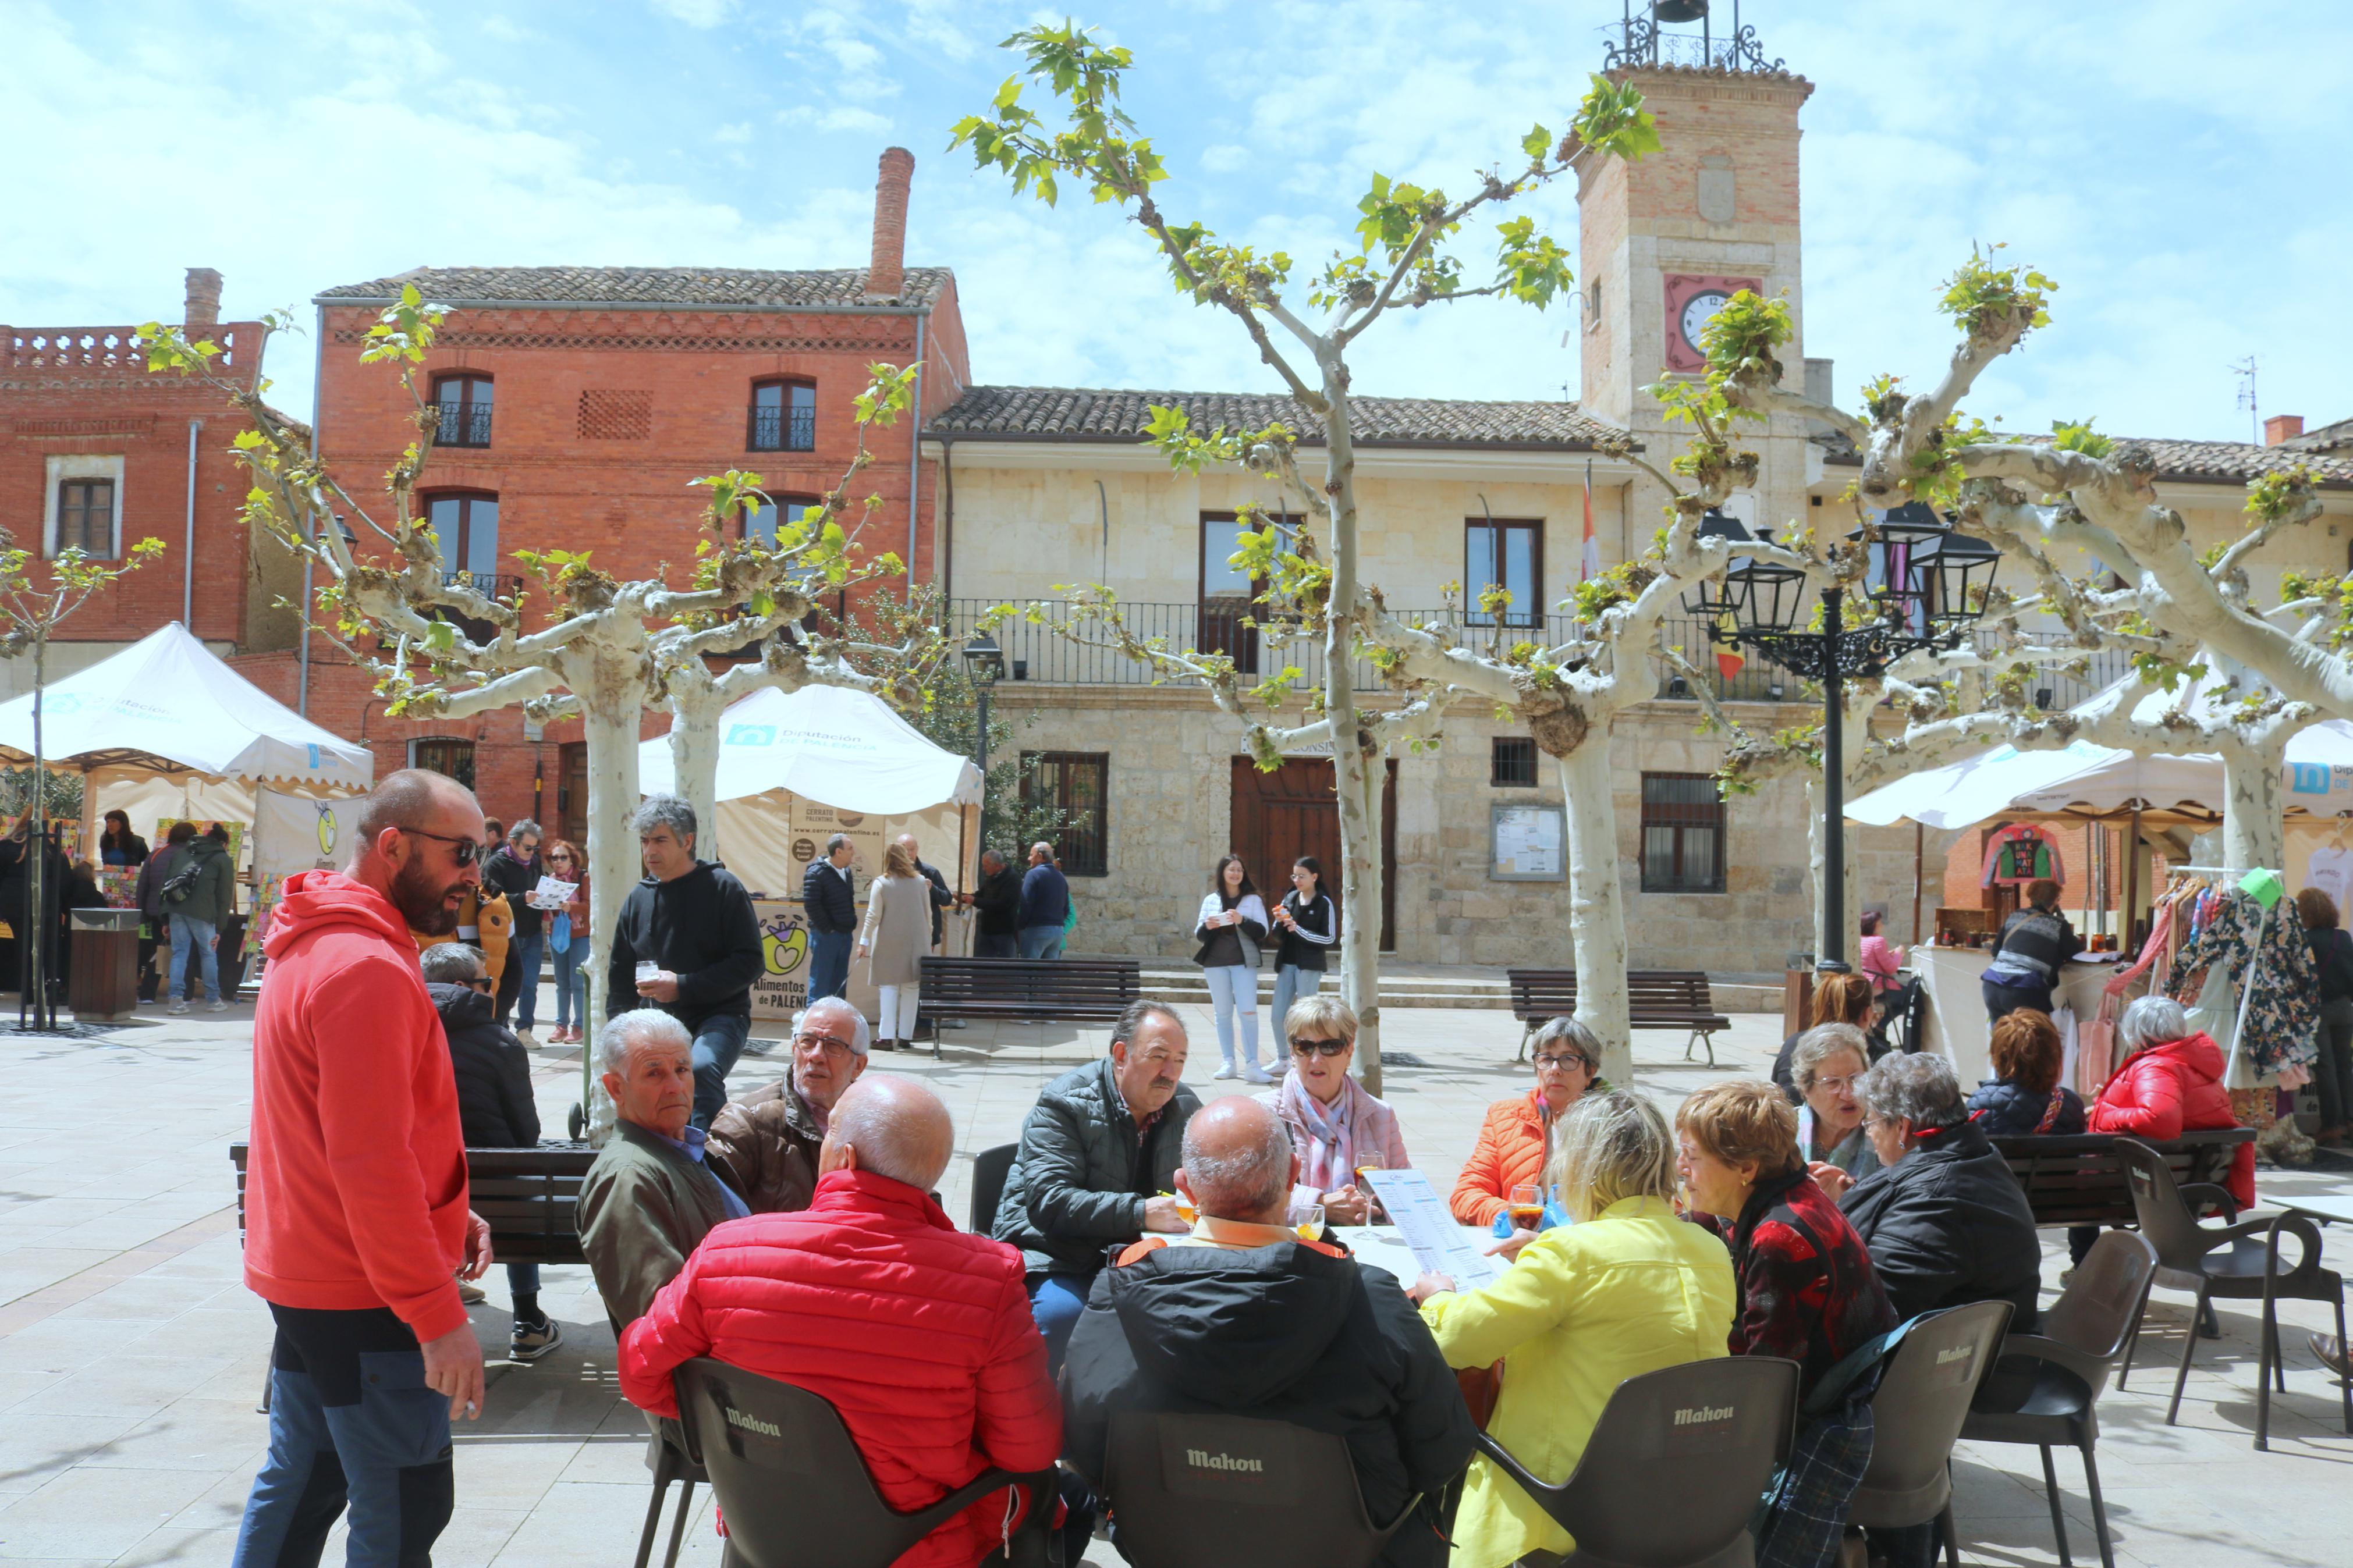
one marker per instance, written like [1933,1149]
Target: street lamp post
[1927,585]
[984,663]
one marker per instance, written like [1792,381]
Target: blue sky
[2178,166]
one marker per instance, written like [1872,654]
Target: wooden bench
[2079,1179]
[1658,998]
[527,1195]
[1034,991]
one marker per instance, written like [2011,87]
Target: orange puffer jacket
[1510,1150]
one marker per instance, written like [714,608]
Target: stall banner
[295,833]
[781,989]
[813,824]
[205,825]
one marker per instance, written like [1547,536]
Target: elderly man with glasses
[766,1145]
[649,1199]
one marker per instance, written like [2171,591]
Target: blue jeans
[1234,988]
[1055,1302]
[829,962]
[717,1044]
[387,1454]
[572,984]
[523,963]
[187,934]
[1041,942]
[1291,983]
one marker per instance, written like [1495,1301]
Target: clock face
[1697,312]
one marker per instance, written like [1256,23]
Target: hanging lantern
[1712,600]
[1953,574]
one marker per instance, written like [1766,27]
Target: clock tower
[1664,241]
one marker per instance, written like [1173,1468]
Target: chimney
[203,300]
[886,275]
[2281,427]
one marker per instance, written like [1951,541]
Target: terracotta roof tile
[1098,414]
[2196,462]
[717,286]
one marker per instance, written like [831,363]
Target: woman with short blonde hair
[1628,1290]
[1338,1127]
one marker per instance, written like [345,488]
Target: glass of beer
[1527,1207]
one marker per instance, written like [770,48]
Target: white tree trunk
[1817,864]
[1359,782]
[2254,833]
[610,702]
[694,707]
[1596,920]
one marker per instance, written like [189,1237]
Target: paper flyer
[552,894]
[1439,1244]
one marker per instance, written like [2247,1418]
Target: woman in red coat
[2171,1083]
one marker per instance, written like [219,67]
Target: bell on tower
[1644,44]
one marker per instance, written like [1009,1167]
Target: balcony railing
[783,430]
[1038,653]
[464,424]
[106,351]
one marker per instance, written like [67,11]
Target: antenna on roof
[2246,371]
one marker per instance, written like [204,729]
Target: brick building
[578,403]
[95,452]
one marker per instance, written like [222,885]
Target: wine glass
[1527,1207]
[1370,1159]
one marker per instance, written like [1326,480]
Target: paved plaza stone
[132,1357]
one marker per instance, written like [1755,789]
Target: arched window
[465,405]
[761,523]
[783,416]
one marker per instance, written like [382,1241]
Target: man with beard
[356,1219]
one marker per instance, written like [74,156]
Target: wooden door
[572,793]
[1291,811]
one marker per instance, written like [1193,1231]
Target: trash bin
[102,971]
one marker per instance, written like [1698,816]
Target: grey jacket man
[644,1207]
[1079,1182]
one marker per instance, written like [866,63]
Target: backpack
[181,885]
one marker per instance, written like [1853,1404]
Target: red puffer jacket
[920,1335]
[2166,1090]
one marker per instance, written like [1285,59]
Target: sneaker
[471,1294]
[217,1005]
[532,1341]
[177,1007]
[1257,1074]
[1225,1069]
[530,1041]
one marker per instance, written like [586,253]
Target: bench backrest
[528,1196]
[1065,988]
[2080,1179]
[1677,992]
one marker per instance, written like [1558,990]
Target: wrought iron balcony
[1643,44]
[783,430]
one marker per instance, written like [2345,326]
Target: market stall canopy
[825,744]
[167,705]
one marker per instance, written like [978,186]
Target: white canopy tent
[165,727]
[791,763]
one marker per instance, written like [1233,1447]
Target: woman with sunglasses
[1337,1128]
[567,943]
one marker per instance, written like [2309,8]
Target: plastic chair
[989,1168]
[793,1483]
[2236,1262]
[1923,1400]
[1189,1489]
[2083,1334]
[668,1460]
[1728,1419]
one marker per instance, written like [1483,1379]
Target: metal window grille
[1683,834]
[1514,763]
[1074,784]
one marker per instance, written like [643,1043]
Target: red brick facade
[78,404]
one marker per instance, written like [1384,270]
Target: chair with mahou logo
[1923,1395]
[794,1488]
[1728,1418]
[1192,1489]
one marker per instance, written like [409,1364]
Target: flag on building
[1592,562]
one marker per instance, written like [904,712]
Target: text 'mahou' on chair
[1187,1489]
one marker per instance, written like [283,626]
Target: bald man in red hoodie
[356,1217]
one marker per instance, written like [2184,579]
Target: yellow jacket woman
[1628,1290]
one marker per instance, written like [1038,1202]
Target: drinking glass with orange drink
[1527,1207]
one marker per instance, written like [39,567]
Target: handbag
[2095,1048]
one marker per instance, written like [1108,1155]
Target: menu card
[1439,1244]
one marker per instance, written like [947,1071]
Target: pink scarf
[1328,1160]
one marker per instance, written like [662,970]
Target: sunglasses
[1319,1048]
[465,851]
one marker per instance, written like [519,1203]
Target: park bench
[527,1196]
[2080,1180]
[1658,998]
[1031,991]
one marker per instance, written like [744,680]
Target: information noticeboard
[1528,844]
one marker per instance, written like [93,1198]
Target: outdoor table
[1382,1245]
[2322,1207]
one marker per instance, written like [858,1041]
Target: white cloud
[733,135]
[704,14]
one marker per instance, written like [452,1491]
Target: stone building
[95,453]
